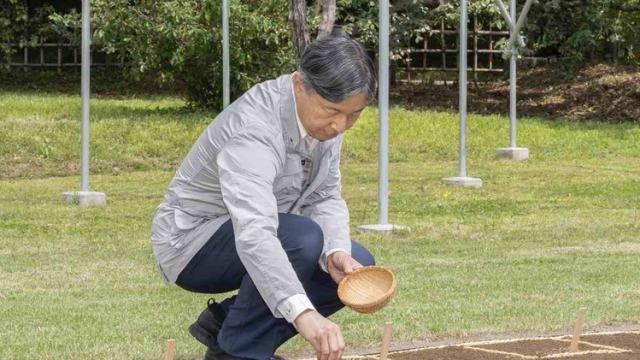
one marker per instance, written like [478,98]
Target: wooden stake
[170,349]
[576,331]
[386,340]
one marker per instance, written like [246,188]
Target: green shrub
[584,30]
[576,30]
[13,20]
[181,41]
[18,29]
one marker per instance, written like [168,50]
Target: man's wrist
[296,323]
[293,306]
[325,257]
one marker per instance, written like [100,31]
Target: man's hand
[341,264]
[322,334]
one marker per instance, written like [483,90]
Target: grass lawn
[539,240]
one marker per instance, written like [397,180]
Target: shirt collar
[303,132]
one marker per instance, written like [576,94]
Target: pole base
[84,198]
[514,153]
[463,182]
[382,228]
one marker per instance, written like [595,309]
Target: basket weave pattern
[368,289]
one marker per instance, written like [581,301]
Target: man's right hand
[322,334]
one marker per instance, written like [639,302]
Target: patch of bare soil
[603,92]
[451,353]
[537,348]
[615,346]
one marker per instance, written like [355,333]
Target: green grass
[539,240]
[40,136]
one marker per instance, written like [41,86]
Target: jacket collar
[289,120]
[288,113]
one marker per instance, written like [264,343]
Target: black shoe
[215,353]
[208,325]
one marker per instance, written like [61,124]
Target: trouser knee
[303,240]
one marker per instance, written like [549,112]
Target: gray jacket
[246,166]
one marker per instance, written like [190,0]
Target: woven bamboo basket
[368,289]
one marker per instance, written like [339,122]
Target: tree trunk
[328,17]
[298,22]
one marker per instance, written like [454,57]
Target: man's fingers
[318,346]
[336,352]
[324,341]
[341,341]
[341,344]
[351,265]
[348,269]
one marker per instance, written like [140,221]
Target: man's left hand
[340,264]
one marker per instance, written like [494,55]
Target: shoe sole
[201,335]
[209,355]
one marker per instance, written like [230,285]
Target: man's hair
[337,67]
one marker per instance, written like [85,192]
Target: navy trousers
[250,330]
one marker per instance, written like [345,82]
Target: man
[229,219]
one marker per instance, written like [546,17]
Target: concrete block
[84,198]
[513,153]
[463,182]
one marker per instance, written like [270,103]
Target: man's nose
[340,125]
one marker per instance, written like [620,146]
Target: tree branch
[298,22]
[328,17]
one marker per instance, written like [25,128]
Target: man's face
[323,119]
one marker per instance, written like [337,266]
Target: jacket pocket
[184,225]
[186,221]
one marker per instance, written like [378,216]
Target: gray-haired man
[229,219]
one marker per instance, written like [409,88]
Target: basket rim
[382,299]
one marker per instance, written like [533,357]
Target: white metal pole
[225,53]
[86,69]
[515,32]
[505,13]
[84,197]
[383,225]
[511,53]
[512,81]
[508,19]
[462,179]
[462,167]
[383,115]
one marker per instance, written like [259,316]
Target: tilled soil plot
[611,346]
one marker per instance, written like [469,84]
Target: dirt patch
[449,353]
[535,348]
[602,92]
[625,341]
[613,346]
